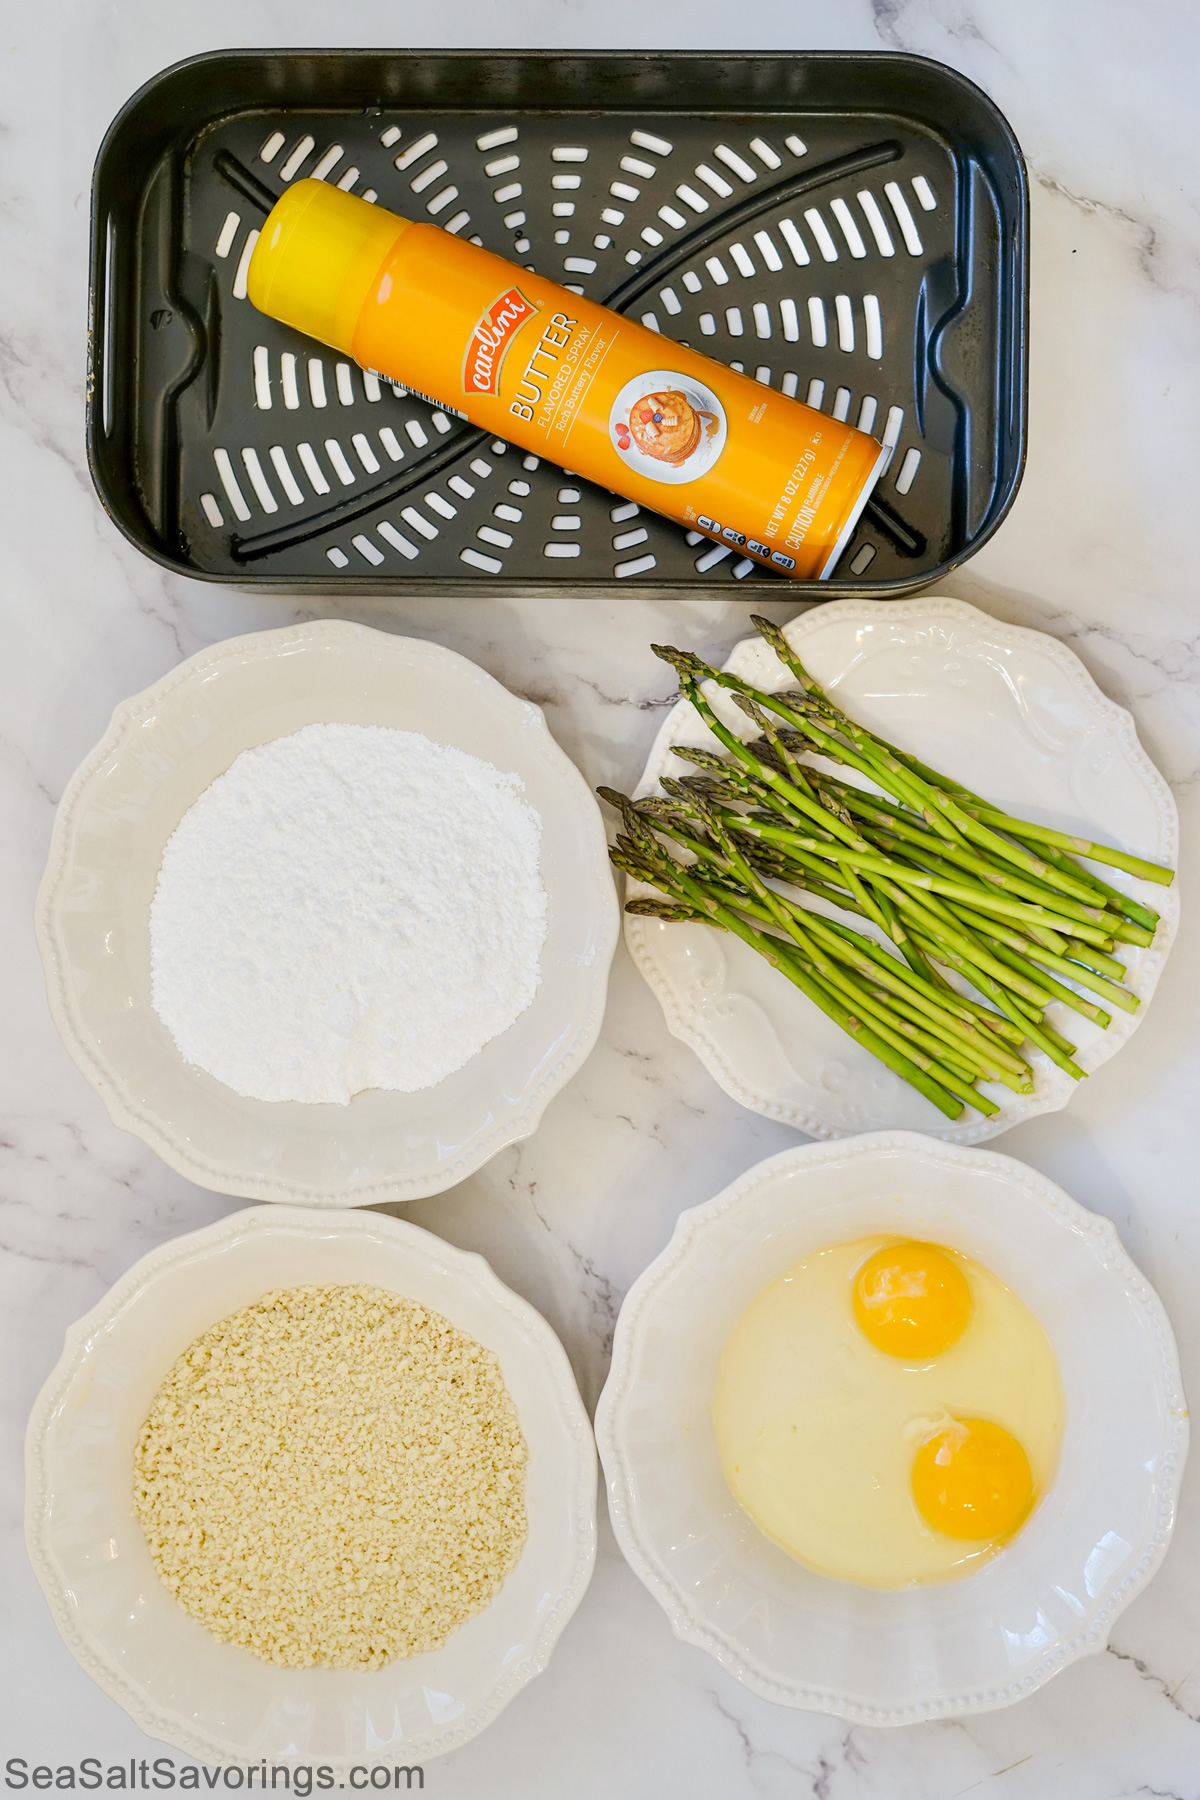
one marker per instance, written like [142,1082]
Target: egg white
[817,1429]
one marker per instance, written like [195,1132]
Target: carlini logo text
[490,340]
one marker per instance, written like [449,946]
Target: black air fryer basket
[849,228]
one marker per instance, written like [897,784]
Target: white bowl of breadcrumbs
[311,1490]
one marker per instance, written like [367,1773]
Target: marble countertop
[1097,551]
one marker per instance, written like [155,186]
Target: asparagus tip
[766,629]
[692,800]
[640,836]
[629,864]
[703,759]
[660,909]
[751,708]
[654,806]
[684,662]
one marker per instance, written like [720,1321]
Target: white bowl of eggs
[893,1430]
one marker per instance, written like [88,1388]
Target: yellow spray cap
[317,259]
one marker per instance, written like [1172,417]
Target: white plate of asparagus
[898,865]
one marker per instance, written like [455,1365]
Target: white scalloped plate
[216,1701]
[161,751]
[1012,714]
[941,1650]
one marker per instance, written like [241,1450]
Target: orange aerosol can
[558,374]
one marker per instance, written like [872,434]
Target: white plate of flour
[327,917]
[345,908]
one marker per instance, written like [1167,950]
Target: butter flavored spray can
[564,377]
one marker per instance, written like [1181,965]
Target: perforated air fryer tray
[850,228]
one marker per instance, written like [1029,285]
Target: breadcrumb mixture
[332,1476]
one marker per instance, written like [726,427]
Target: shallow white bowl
[876,1657]
[163,748]
[216,1701]
[1012,714]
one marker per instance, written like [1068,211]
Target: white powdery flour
[350,907]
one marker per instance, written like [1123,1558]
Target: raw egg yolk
[972,1480]
[911,1300]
